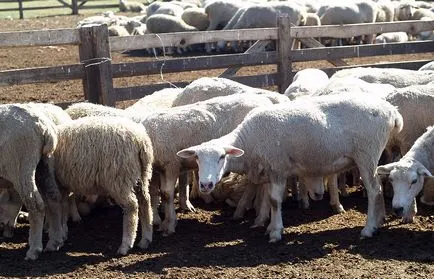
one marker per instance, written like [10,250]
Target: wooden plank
[137,92]
[409,65]
[284,43]
[42,8]
[330,53]
[312,43]
[99,6]
[350,30]
[41,74]
[94,54]
[74,7]
[39,38]
[20,7]
[258,46]
[193,63]
[82,3]
[67,5]
[188,38]
[334,31]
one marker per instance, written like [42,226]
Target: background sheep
[81,167]
[135,7]
[391,37]
[279,123]
[302,83]
[427,67]
[196,17]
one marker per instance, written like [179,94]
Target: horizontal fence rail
[40,38]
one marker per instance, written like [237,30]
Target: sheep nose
[206,186]
[318,196]
[399,211]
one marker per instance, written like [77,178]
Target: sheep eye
[414,181]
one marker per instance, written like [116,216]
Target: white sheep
[220,13]
[162,23]
[427,67]
[422,13]
[385,11]
[183,126]
[273,140]
[29,137]
[161,99]
[409,174]
[404,10]
[209,87]
[391,37]
[196,17]
[135,7]
[84,109]
[394,76]
[302,83]
[167,8]
[118,31]
[109,156]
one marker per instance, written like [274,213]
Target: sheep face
[407,11]
[212,162]
[407,178]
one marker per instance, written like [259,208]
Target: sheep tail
[50,140]
[399,122]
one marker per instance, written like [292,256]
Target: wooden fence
[97,71]
[74,5]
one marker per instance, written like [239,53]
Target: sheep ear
[421,170]
[186,153]
[386,169]
[233,151]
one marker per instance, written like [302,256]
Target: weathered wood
[39,38]
[94,53]
[312,43]
[67,5]
[41,74]
[74,7]
[188,38]
[284,63]
[20,8]
[409,65]
[332,53]
[258,46]
[193,63]
[99,6]
[137,92]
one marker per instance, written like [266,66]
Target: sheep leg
[292,182]
[342,184]
[130,207]
[167,197]
[154,188]
[10,207]
[332,185]
[245,201]
[304,197]
[264,209]
[184,192]
[376,209]
[73,210]
[145,213]
[277,190]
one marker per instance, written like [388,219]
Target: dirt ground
[208,243]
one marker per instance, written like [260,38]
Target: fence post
[284,42]
[20,8]
[74,6]
[94,50]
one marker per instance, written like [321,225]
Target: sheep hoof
[156,221]
[338,208]
[275,236]
[408,219]
[53,246]
[144,244]
[123,250]
[167,228]
[33,254]
[368,232]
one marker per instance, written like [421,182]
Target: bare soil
[208,243]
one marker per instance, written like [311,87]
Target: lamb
[135,7]
[427,67]
[196,123]
[196,17]
[396,77]
[391,37]
[161,99]
[327,123]
[207,87]
[109,143]
[409,174]
[302,83]
[36,136]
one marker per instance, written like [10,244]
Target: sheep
[118,31]
[409,174]
[385,11]
[353,85]
[415,105]
[135,7]
[83,109]
[427,67]
[30,137]
[391,37]
[396,77]
[158,100]
[339,13]
[196,17]
[105,18]
[422,13]
[302,83]
[327,123]
[220,13]
[109,156]
[167,8]
[405,10]
[180,127]
[312,19]
[207,87]
[427,197]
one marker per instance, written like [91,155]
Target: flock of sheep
[229,141]
[190,15]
